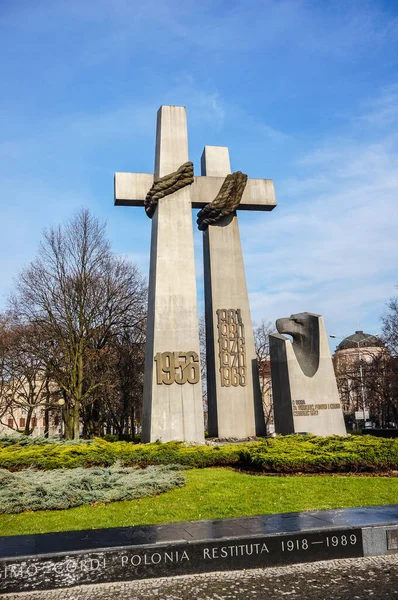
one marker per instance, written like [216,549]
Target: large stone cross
[172,407]
[234,393]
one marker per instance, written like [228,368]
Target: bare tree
[6,381]
[261,342]
[390,326]
[203,367]
[78,296]
[124,406]
[27,372]
[116,406]
[202,346]
[24,381]
[368,380]
[381,389]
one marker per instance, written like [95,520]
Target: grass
[212,494]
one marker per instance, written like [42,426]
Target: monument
[304,389]
[233,388]
[172,405]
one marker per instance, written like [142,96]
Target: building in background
[31,406]
[367,380]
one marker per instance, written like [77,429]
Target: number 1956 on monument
[177,367]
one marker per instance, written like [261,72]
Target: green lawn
[215,493]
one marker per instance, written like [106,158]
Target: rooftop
[359,340]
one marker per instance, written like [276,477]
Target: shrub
[284,454]
[64,488]
[11,439]
[311,454]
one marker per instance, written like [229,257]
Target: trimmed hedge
[287,454]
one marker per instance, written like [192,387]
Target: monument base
[56,560]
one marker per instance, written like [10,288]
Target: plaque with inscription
[302,408]
[177,367]
[232,347]
[145,560]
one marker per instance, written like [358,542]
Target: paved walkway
[372,578]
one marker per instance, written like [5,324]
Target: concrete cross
[234,394]
[132,188]
[172,407]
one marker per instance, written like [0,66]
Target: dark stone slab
[53,560]
[159,560]
[387,433]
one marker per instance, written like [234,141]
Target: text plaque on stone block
[180,558]
[392,539]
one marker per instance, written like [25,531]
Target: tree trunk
[79,395]
[27,430]
[67,420]
[47,408]
[76,420]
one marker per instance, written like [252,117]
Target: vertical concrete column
[233,388]
[172,410]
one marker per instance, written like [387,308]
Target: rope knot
[168,185]
[226,201]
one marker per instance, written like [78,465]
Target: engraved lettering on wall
[177,367]
[232,347]
[302,408]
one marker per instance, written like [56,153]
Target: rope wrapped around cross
[225,203]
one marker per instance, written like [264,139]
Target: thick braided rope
[226,201]
[168,185]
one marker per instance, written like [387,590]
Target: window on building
[11,423]
[22,422]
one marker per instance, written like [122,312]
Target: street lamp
[358,343]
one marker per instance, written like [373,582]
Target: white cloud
[331,244]
[381,111]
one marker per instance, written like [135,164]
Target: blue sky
[302,92]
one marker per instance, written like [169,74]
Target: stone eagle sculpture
[304,389]
[304,329]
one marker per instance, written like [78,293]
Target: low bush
[311,454]
[11,439]
[284,454]
[63,488]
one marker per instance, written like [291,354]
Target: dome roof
[359,340]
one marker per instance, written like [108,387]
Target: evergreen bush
[10,439]
[284,454]
[65,488]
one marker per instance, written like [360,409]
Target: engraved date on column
[177,367]
[232,347]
